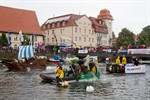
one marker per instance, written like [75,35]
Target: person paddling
[59,72]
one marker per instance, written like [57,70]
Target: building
[74,30]
[107,18]
[16,20]
[79,30]
[103,28]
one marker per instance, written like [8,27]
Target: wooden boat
[128,68]
[51,77]
[25,60]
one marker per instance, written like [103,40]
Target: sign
[82,51]
[131,68]
[138,51]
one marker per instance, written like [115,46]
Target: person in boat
[59,72]
[124,60]
[71,71]
[136,62]
[84,69]
[118,60]
[92,67]
[75,70]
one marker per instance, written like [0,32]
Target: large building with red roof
[79,30]
[16,20]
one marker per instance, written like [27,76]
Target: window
[16,37]
[93,40]
[76,30]
[79,39]
[53,25]
[89,31]
[63,24]
[92,32]
[80,30]
[61,31]
[48,32]
[53,40]
[85,39]
[58,24]
[35,38]
[75,38]
[47,39]
[85,31]
[48,26]
[89,39]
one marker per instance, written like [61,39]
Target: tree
[125,38]
[144,36]
[26,40]
[3,40]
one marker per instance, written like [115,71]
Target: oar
[74,73]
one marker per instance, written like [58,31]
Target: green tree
[144,36]
[3,40]
[125,38]
[26,40]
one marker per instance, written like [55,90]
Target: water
[29,86]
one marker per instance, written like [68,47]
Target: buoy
[89,89]
[65,84]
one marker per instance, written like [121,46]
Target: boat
[51,77]
[26,60]
[128,68]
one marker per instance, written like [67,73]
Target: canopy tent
[64,45]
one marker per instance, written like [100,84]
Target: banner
[82,51]
[138,51]
[131,68]
[9,38]
[21,36]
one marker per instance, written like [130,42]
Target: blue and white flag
[9,38]
[21,36]
[25,52]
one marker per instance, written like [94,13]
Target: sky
[131,14]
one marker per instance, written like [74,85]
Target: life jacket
[118,61]
[124,61]
[60,71]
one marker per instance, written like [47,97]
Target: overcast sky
[131,14]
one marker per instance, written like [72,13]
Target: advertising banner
[138,51]
[82,51]
[131,68]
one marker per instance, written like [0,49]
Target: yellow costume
[60,71]
[124,60]
[118,60]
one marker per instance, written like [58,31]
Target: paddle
[74,73]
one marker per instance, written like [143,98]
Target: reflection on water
[28,86]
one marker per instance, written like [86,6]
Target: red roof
[69,22]
[105,14]
[99,27]
[14,20]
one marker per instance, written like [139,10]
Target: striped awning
[26,51]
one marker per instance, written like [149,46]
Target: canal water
[29,86]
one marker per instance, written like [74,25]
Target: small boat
[128,68]
[51,77]
[26,59]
